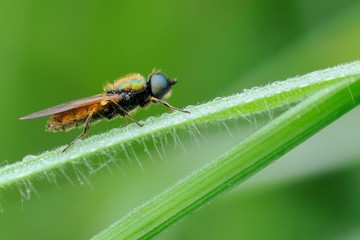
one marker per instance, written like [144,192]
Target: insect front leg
[156,100]
[84,132]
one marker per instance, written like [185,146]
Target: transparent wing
[72,105]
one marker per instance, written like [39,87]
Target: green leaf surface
[242,105]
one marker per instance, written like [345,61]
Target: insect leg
[156,100]
[84,132]
[126,113]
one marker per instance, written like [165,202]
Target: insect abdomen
[72,118]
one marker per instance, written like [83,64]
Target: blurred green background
[56,51]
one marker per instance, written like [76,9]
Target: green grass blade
[249,156]
[236,106]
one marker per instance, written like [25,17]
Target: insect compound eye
[160,85]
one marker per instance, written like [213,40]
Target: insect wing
[72,105]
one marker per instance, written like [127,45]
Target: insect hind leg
[84,132]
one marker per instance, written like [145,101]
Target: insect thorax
[130,83]
[131,100]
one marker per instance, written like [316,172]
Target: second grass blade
[240,162]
